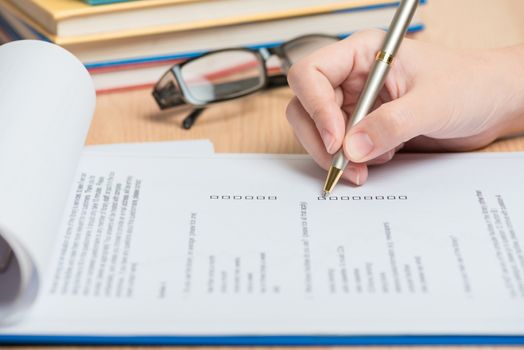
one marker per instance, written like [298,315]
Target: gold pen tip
[333,176]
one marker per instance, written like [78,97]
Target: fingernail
[359,146]
[328,140]
[354,175]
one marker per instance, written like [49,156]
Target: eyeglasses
[227,74]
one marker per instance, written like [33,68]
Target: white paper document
[161,148]
[46,106]
[169,240]
[244,245]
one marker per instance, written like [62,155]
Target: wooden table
[258,123]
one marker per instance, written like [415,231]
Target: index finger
[315,78]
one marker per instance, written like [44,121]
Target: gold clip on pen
[397,30]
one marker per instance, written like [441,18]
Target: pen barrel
[369,95]
[375,81]
[365,102]
[397,30]
[399,26]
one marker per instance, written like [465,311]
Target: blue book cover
[104,2]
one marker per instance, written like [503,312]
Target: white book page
[46,104]
[240,245]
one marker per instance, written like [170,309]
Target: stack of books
[129,44]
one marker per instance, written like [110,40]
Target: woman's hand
[434,99]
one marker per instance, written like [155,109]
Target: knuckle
[292,74]
[295,72]
[320,114]
[292,110]
[368,35]
[383,158]
[389,155]
[374,32]
[300,69]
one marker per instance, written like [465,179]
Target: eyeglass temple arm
[192,117]
[276,81]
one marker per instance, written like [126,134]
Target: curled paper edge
[24,273]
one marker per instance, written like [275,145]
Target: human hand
[434,99]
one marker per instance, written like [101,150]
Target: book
[139,62]
[136,248]
[188,44]
[67,22]
[129,76]
[145,72]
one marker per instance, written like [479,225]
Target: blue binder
[270,340]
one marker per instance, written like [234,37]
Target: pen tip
[334,175]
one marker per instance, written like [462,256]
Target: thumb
[389,126]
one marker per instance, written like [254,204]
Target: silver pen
[397,30]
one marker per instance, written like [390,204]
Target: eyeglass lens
[223,75]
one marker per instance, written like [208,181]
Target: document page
[244,245]
[47,100]
[160,148]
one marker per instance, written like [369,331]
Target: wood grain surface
[258,123]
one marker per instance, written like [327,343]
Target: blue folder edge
[271,340]
[11,32]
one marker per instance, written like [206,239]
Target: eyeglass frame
[184,97]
